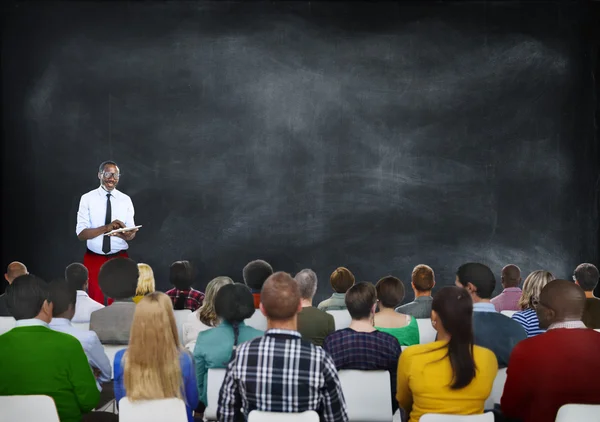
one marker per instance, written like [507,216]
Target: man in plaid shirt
[183,296]
[280,372]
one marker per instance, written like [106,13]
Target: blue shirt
[529,320]
[190,393]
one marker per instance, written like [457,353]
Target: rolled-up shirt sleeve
[83,216]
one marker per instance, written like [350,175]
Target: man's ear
[374,308]
[262,309]
[47,309]
[6,278]
[472,289]
[299,307]
[577,282]
[433,285]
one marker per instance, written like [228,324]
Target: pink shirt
[507,300]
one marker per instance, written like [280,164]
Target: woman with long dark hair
[450,375]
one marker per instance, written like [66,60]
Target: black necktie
[107,220]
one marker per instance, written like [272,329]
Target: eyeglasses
[108,175]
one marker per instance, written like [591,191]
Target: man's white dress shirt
[92,214]
[84,307]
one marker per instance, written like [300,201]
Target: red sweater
[549,370]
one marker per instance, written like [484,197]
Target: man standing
[15,269]
[423,280]
[100,211]
[509,298]
[586,276]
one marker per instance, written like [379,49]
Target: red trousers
[93,262]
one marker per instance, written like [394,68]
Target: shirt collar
[102,192]
[423,299]
[567,324]
[82,293]
[284,332]
[512,289]
[484,307]
[338,295]
[61,322]
[33,322]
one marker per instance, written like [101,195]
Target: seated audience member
[558,367]
[37,360]
[63,299]
[146,283]
[423,280]
[77,276]
[450,375]
[313,324]
[533,285]
[183,295]
[233,304]
[15,269]
[491,329]
[205,317]
[255,273]
[117,279]
[154,365]
[508,300]
[361,346]
[341,280]
[390,293]
[287,358]
[586,277]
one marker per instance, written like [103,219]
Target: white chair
[497,389]
[213,387]
[258,416]
[367,404]
[597,329]
[85,326]
[508,313]
[426,331]
[341,317]
[111,350]
[257,320]
[172,410]
[181,316]
[6,324]
[433,417]
[27,408]
[579,413]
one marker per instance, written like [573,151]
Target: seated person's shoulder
[484,355]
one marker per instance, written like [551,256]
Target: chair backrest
[258,416]
[579,413]
[341,317]
[111,350]
[433,417]
[85,326]
[257,320]
[6,324]
[367,404]
[508,313]
[172,410]
[426,331]
[497,389]
[180,317]
[213,386]
[28,408]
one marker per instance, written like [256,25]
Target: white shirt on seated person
[191,328]
[84,307]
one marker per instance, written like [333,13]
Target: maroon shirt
[193,300]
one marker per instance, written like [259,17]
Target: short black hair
[25,296]
[118,278]
[106,163]
[390,291]
[234,303]
[256,272]
[61,294]
[360,299]
[587,276]
[181,275]
[76,275]
[480,276]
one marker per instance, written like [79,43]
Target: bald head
[280,297]
[14,270]
[511,276]
[560,300]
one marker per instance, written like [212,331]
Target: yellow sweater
[425,375]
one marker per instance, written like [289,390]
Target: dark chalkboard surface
[374,136]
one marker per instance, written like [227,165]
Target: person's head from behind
[307,283]
[109,175]
[452,318]
[560,301]
[255,274]
[478,279]
[15,269]
[586,276]
[422,280]
[532,287]
[280,299]
[27,297]
[77,276]
[63,298]
[152,359]
[361,301]
[207,314]
[146,283]
[118,278]
[390,292]
[181,276]
[341,280]
[510,276]
[233,304]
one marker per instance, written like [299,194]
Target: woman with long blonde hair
[146,283]
[532,287]
[155,366]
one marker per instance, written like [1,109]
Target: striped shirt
[529,320]
[280,372]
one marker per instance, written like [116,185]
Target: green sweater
[38,360]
